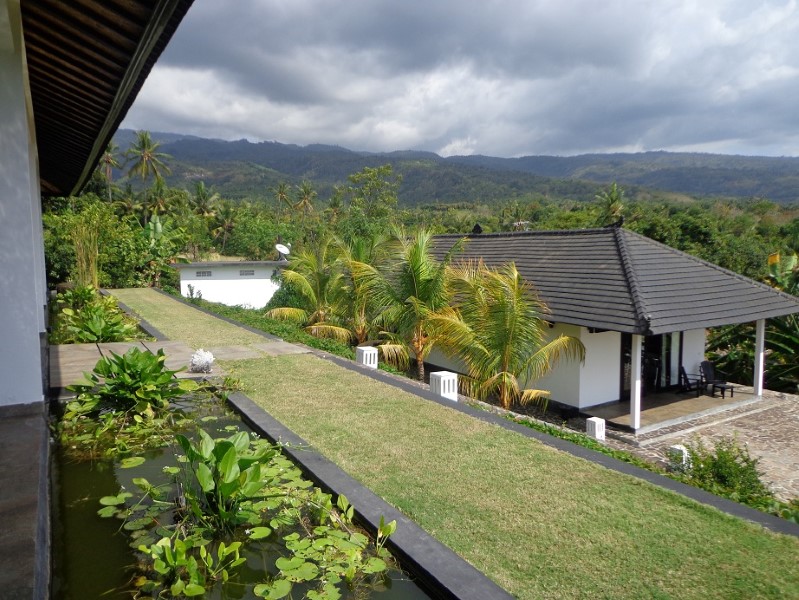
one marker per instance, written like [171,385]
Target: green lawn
[541,523]
[180,322]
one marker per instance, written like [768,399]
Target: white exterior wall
[600,376]
[23,292]
[227,286]
[563,382]
[693,349]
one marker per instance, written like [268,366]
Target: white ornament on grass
[201,361]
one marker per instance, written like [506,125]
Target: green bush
[727,470]
[137,380]
[87,317]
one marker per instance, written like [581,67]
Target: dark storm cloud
[492,77]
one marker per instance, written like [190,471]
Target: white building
[640,308]
[250,284]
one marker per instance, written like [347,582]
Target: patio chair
[709,378]
[690,383]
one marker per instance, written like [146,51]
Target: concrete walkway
[68,363]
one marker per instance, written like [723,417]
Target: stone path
[768,427]
[68,363]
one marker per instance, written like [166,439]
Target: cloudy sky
[496,77]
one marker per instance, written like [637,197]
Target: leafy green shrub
[727,470]
[137,380]
[87,317]
[229,483]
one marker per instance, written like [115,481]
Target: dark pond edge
[437,569]
[25,549]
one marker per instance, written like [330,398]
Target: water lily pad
[133,461]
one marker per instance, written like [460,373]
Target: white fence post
[366,356]
[445,384]
[595,427]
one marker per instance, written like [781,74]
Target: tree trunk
[419,364]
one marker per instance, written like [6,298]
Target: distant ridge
[241,168]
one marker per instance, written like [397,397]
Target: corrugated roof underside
[79,53]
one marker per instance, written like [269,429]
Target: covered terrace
[641,309]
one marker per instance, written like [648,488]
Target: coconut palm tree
[145,157]
[204,201]
[316,275]
[305,197]
[226,216]
[611,205]
[282,198]
[408,293]
[375,251]
[109,162]
[496,326]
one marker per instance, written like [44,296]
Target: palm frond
[286,313]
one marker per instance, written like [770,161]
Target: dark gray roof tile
[612,278]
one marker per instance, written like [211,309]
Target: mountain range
[240,169]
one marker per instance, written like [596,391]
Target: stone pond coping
[437,569]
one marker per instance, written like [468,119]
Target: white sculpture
[201,361]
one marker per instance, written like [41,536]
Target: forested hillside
[242,169]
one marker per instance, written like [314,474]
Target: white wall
[693,349]
[227,286]
[600,377]
[564,380]
[23,294]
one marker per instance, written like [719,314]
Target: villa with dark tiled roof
[640,308]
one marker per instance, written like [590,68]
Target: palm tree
[145,157]
[305,197]
[282,198]
[226,216]
[497,328]
[160,198]
[611,205]
[109,162]
[373,250]
[315,275]
[408,293]
[204,202]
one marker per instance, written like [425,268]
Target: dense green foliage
[727,470]
[143,226]
[137,381]
[82,315]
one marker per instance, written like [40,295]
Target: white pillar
[366,356]
[760,356]
[635,382]
[444,384]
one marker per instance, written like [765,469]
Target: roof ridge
[529,233]
[642,315]
[706,263]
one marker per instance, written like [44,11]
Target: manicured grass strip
[183,323]
[539,522]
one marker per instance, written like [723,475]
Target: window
[203,273]
[247,273]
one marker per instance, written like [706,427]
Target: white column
[635,382]
[760,356]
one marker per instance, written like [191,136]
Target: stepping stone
[280,348]
[233,352]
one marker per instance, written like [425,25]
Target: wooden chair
[709,378]
[690,383]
